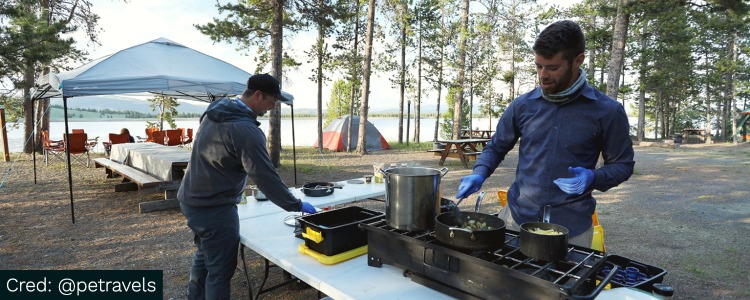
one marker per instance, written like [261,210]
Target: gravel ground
[685,210]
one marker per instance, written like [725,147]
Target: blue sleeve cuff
[482,170]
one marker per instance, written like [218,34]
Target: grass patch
[411,146]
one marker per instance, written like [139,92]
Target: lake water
[305,130]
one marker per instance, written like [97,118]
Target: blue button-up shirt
[553,138]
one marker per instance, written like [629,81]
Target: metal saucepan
[319,189]
[547,247]
[451,230]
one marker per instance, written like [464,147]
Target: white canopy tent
[160,67]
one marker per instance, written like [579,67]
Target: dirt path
[684,210]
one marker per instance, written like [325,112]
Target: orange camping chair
[150,134]
[189,137]
[77,145]
[597,243]
[115,138]
[173,137]
[51,147]
[158,136]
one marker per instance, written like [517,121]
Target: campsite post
[5,134]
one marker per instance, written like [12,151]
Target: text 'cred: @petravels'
[81,284]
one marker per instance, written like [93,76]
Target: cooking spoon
[457,212]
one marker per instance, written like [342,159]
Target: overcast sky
[127,24]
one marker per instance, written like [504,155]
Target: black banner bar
[81,284]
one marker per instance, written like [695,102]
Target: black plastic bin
[653,274]
[336,231]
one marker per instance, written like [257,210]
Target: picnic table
[697,133]
[463,149]
[147,167]
[476,133]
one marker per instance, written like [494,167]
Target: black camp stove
[503,273]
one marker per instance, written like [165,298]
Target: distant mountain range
[123,103]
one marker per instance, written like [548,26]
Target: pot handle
[479,201]
[599,287]
[461,229]
[443,171]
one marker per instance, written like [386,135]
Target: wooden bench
[131,174]
[439,152]
[137,180]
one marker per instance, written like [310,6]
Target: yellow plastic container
[503,197]
[597,243]
[334,259]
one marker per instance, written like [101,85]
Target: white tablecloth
[151,158]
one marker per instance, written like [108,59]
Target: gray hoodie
[228,147]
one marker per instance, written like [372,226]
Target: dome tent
[336,133]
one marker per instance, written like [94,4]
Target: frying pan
[450,229]
[319,189]
[453,233]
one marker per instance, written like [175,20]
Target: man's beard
[561,84]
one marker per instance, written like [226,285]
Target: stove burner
[504,273]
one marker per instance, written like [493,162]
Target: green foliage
[247,24]
[340,98]
[166,107]
[446,127]
[411,146]
[13,108]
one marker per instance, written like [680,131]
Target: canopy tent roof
[160,67]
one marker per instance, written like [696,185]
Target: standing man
[229,147]
[564,125]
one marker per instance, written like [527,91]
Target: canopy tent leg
[33,138]
[34,132]
[294,147]
[67,152]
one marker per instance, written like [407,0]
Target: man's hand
[578,183]
[469,185]
[308,208]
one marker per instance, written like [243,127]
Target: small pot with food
[544,241]
[473,231]
[469,230]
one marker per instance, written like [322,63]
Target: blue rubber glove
[308,208]
[469,185]
[578,183]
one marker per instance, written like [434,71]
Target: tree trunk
[274,119]
[28,107]
[319,48]
[439,94]
[417,104]
[592,56]
[618,49]
[362,144]
[709,127]
[642,89]
[402,83]
[731,86]
[461,70]
[354,78]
